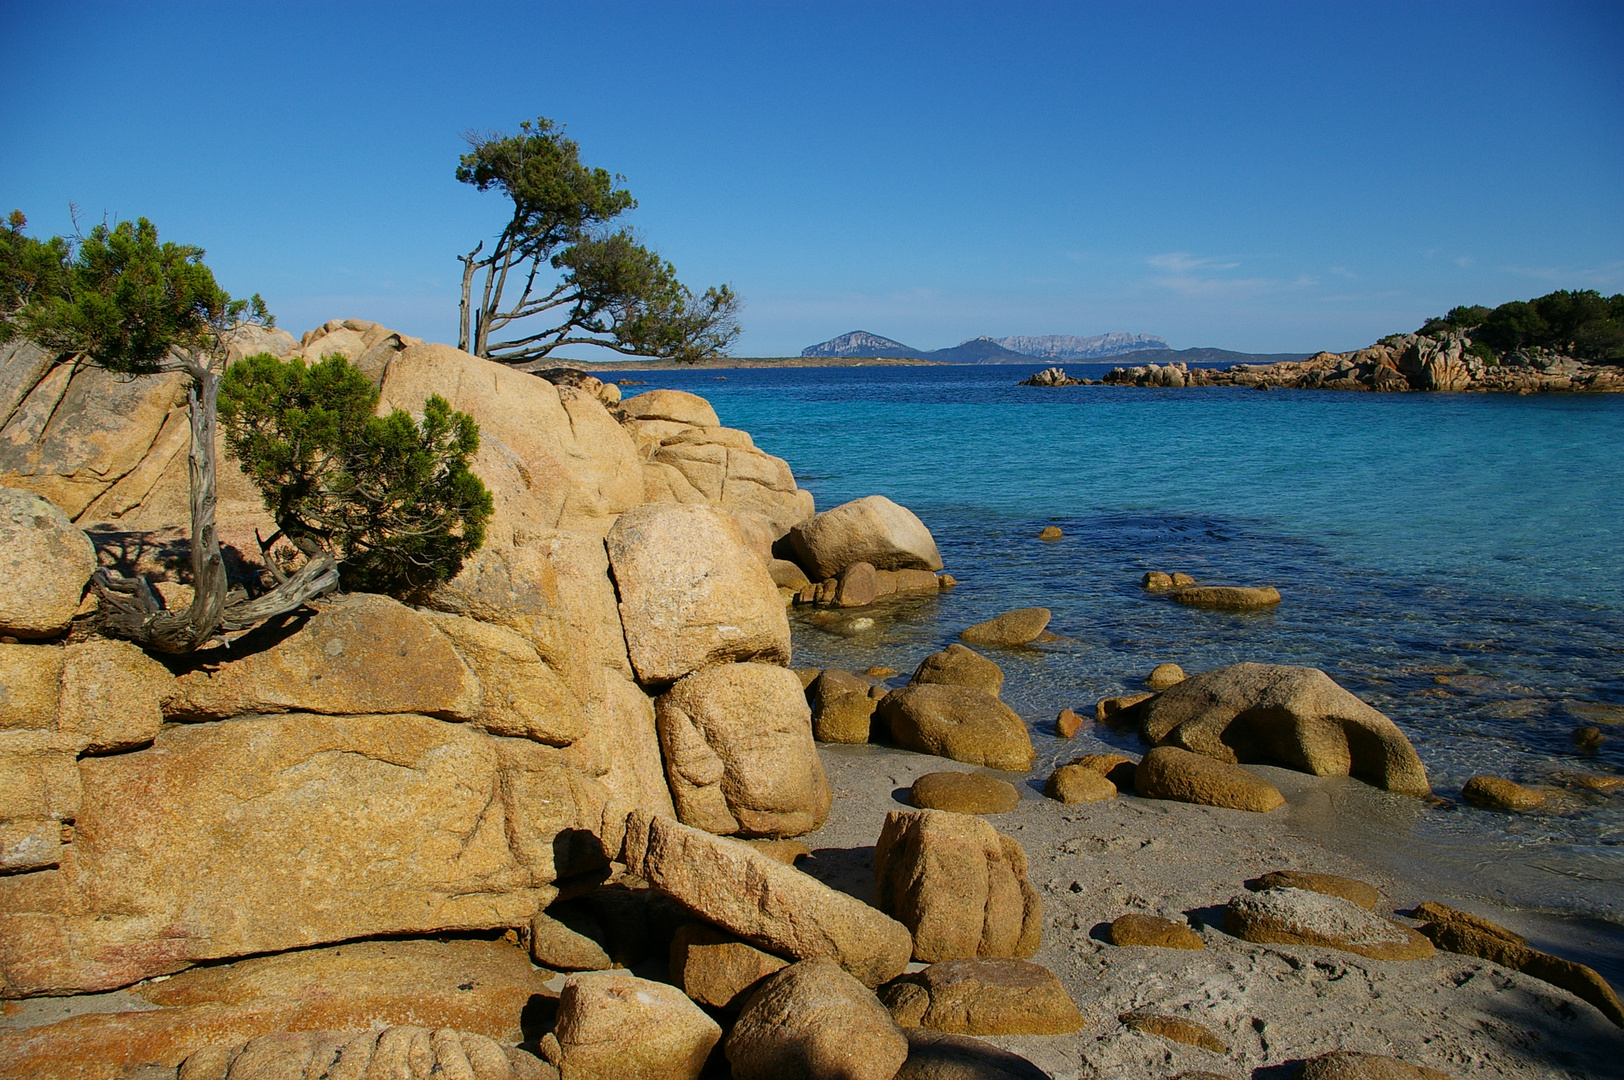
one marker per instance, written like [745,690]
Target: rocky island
[573,813]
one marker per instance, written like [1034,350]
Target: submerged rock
[1227,597]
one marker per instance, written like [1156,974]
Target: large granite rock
[1021,626]
[959,666]
[842,707]
[1167,772]
[406,1052]
[722,467]
[692,593]
[764,902]
[957,722]
[1300,917]
[516,693]
[613,1026]
[813,1021]
[46,560]
[873,529]
[281,832]
[958,885]
[350,986]
[983,997]
[739,753]
[1293,716]
[112,695]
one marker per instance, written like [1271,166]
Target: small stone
[1012,628]
[1078,784]
[716,969]
[933,1055]
[1050,532]
[964,793]
[1117,768]
[1496,793]
[1106,709]
[1605,785]
[1227,597]
[1155,579]
[1588,739]
[1154,931]
[813,1021]
[1164,675]
[1300,917]
[1176,1028]
[1355,1065]
[1067,724]
[1167,772]
[983,997]
[959,666]
[1350,889]
[880,671]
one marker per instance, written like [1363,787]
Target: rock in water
[620,1027]
[1109,710]
[958,885]
[1292,715]
[1067,724]
[873,529]
[812,1021]
[964,793]
[1019,627]
[1164,675]
[935,1056]
[691,592]
[1050,532]
[1153,930]
[983,997]
[739,755]
[842,707]
[1170,773]
[1300,917]
[1496,793]
[959,666]
[1350,889]
[49,560]
[959,723]
[1227,597]
[1078,784]
[770,905]
[1355,1065]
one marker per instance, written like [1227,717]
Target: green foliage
[611,290]
[118,295]
[393,498]
[1580,323]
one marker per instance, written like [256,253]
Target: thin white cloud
[1610,275]
[1182,262]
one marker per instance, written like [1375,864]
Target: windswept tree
[132,305]
[557,274]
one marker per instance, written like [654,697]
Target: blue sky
[1261,177]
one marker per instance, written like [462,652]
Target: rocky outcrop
[738,751]
[691,593]
[958,885]
[957,722]
[617,1025]
[1399,362]
[813,1021]
[764,902]
[1054,376]
[407,1052]
[873,529]
[1292,716]
[47,564]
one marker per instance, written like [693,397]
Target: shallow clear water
[1455,559]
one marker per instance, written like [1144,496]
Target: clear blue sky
[1262,177]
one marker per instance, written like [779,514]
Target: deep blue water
[1455,559]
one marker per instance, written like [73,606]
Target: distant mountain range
[988,350]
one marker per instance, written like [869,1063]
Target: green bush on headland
[1583,324]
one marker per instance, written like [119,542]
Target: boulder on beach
[964,793]
[957,722]
[842,707]
[1357,1065]
[1152,930]
[959,666]
[1292,716]
[872,529]
[1498,793]
[1078,784]
[1117,768]
[48,561]
[612,1024]
[1300,917]
[934,1055]
[1163,676]
[813,1021]
[739,756]
[983,996]
[1176,1028]
[555,944]
[1227,597]
[1167,772]
[770,905]
[1350,889]
[958,885]
[1109,710]
[1013,628]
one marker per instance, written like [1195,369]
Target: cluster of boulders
[1182,589]
[1397,363]
[1053,376]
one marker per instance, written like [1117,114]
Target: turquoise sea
[1457,560]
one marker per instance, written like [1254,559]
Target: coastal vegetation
[557,263]
[1582,324]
